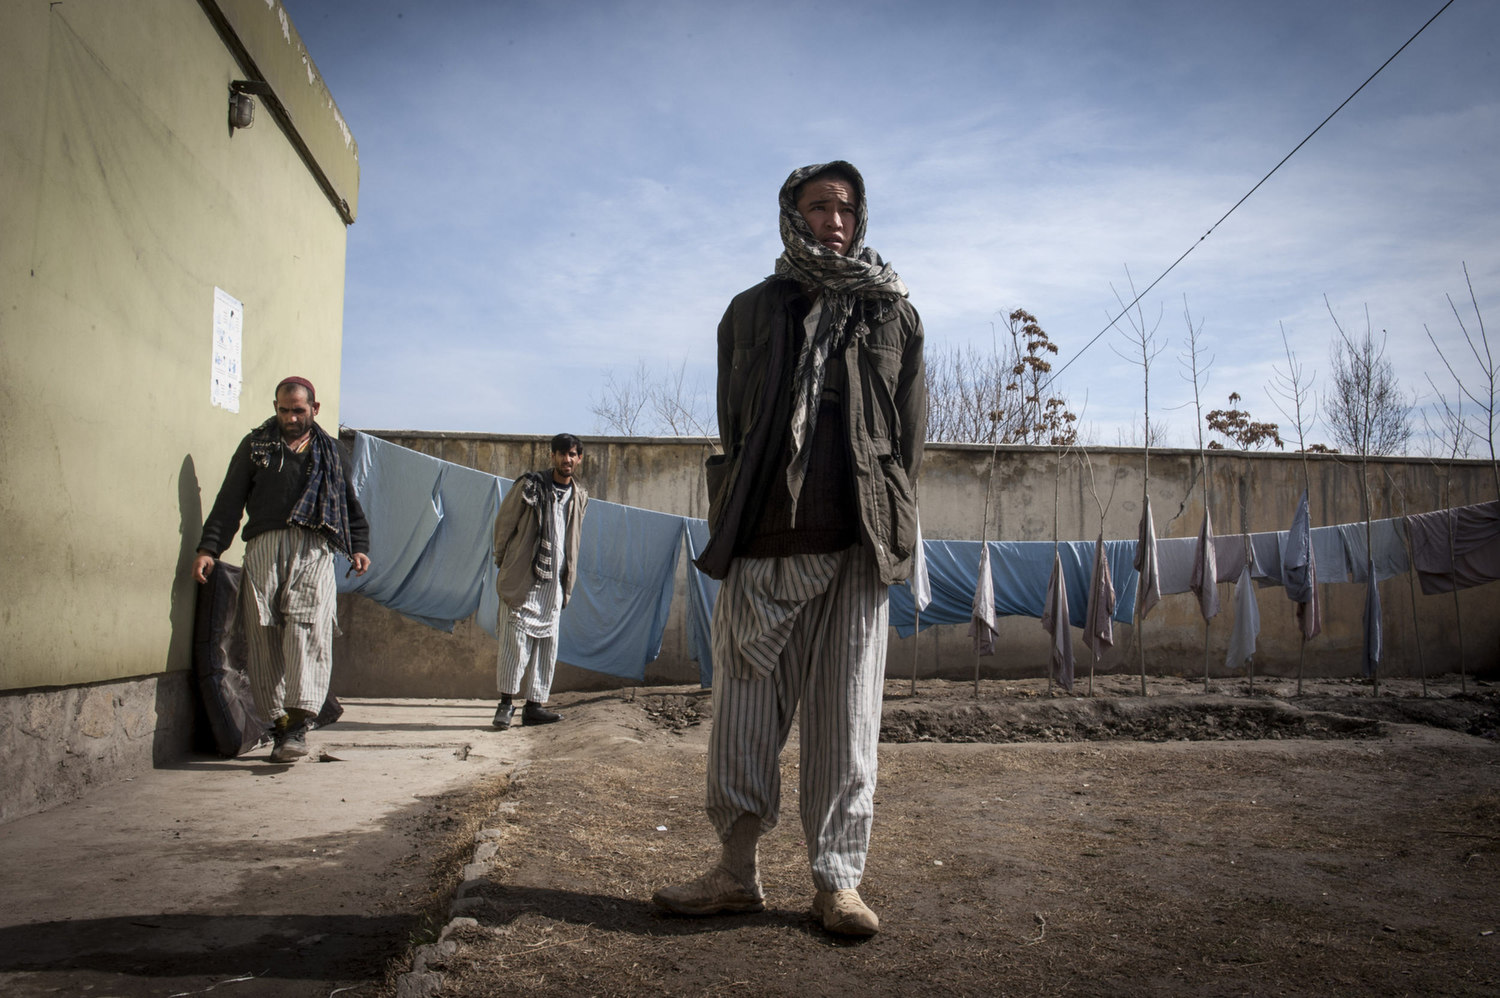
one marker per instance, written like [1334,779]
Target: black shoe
[535,713]
[503,715]
[290,740]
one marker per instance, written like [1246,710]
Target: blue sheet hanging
[1019,570]
[626,569]
[702,591]
[430,524]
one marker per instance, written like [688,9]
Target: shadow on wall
[176,701]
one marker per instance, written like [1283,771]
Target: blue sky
[551,191]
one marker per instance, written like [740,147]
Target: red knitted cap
[312,393]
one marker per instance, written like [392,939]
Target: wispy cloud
[552,191]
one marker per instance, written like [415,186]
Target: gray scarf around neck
[840,281]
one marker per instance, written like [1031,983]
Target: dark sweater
[267,495]
[827,508]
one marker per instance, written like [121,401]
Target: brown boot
[843,913]
[716,892]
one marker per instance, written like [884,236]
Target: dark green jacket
[885,413]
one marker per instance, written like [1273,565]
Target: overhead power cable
[1110,325]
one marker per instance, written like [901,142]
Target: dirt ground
[247,878]
[1026,843]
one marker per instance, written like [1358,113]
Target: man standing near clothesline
[812,516]
[537,534]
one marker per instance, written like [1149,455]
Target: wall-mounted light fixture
[242,104]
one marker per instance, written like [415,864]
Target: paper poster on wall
[229,326]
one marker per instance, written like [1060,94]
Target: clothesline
[431,524]
[431,537]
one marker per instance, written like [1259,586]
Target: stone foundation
[57,743]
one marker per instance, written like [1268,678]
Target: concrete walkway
[240,876]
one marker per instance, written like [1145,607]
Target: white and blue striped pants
[808,628]
[522,654]
[287,608]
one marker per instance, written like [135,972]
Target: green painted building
[144,239]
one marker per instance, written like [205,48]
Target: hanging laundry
[1297,555]
[1331,554]
[918,583]
[1246,621]
[1180,563]
[1456,548]
[430,523]
[1299,571]
[1019,570]
[1174,558]
[447,584]
[1055,621]
[702,592]
[982,611]
[1387,549]
[1372,620]
[1205,570]
[1310,613]
[397,488]
[1098,631]
[627,563]
[1146,562]
[1265,557]
[1232,554]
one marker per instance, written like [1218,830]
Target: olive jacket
[517,532]
[885,412]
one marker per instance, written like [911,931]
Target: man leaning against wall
[290,480]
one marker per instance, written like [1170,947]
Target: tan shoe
[842,912]
[716,892]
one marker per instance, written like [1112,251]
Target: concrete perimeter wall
[384,654]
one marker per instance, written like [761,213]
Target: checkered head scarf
[841,281]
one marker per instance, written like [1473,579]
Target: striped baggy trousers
[808,629]
[523,654]
[287,606]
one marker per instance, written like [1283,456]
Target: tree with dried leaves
[1004,397]
[1041,420]
[1235,425]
